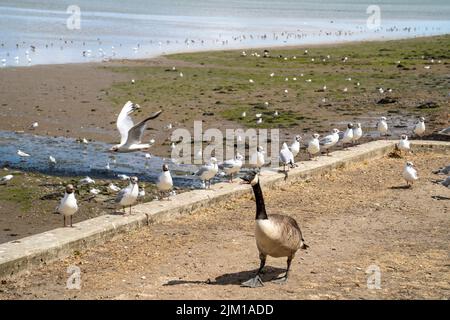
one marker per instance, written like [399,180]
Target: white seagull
[382,126]
[5,179]
[34,125]
[357,133]
[165,182]
[295,146]
[313,145]
[68,205]
[130,134]
[409,173]
[87,180]
[52,160]
[208,171]
[232,166]
[128,196]
[330,140]
[286,157]
[113,188]
[419,128]
[22,154]
[257,158]
[404,144]
[347,135]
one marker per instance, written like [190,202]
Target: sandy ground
[352,218]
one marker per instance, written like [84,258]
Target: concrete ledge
[23,254]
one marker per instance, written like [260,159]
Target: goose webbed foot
[281,280]
[253,282]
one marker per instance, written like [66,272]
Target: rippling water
[77,159]
[35,32]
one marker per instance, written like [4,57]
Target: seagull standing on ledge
[330,140]
[128,196]
[313,145]
[68,205]
[208,171]
[295,146]
[130,134]
[165,182]
[357,133]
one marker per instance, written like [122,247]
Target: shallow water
[137,28]
[77,159]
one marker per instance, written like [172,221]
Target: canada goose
[276,235]
[419,128]
[68,205]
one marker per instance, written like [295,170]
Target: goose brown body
[278,236]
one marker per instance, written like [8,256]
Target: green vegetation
[217,83]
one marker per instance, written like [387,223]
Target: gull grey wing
[135,133]
[326,140]
[341,135]
[227,165]
[201,171]
[120,195]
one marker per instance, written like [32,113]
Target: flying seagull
[131,134]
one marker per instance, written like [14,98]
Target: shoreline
[237,48]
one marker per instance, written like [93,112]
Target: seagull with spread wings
[131,134]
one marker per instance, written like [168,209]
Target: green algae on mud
[218,82]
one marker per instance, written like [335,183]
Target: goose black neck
[260,207]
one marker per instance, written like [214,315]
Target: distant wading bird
[419,128]
[276,235]
[130,134]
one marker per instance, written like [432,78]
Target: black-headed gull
[403,144]
[313,145]
[410,174]
[131,134]
[257,158]
[295,146]
[347,135]
[208,171]
[68,205]
[382,126]
[330,140]
[357,133]
[128,196]
[232,166]
[164,183]
[419,128]
[286,157]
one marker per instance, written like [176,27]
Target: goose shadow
[235,278]
[400,187]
